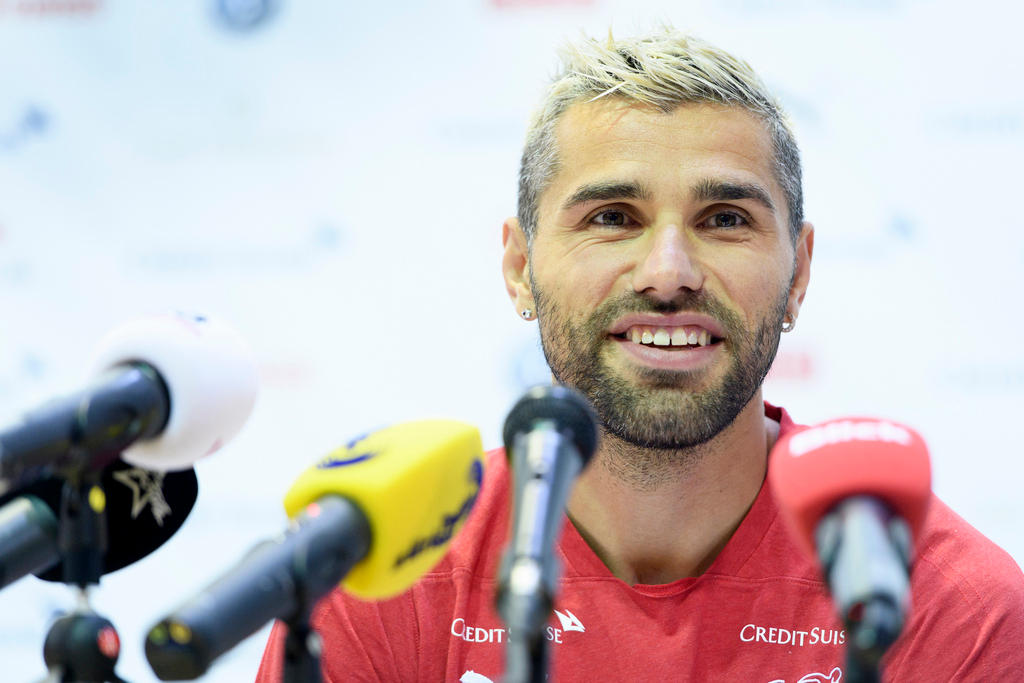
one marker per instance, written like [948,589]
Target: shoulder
[966,617]
[952,554]
[967,606]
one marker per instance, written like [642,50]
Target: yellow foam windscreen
[415,482]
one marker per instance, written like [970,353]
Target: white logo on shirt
[570,622]
[833,676]
[473,677]
[476,634]
[776,635]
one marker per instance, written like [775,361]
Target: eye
[726,219]
[610,218]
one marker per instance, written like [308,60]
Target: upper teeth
[666,336]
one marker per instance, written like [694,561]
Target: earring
[527,314]
[788,323]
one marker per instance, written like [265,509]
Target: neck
[656,516]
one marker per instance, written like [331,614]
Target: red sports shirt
[759,614]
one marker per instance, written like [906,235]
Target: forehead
[610,139]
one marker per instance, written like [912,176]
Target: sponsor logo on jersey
[833,676]
[477,634]
[775,635]
[569,621]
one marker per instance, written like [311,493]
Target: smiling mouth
[671,338]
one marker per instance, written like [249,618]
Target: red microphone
[855,491]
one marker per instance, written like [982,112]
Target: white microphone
[171,389]
[211,379]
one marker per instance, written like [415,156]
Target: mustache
[687,301]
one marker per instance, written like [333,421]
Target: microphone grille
[569,411]
[812,469]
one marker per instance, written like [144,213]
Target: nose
[668,264]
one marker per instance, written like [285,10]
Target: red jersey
[759,614]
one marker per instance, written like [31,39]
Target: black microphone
[373,516]
[143,509]
[171,389]
[276,579]
[28,538]
[90,427]
[550,435]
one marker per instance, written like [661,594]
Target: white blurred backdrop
[331,179]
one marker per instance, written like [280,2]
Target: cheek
[576,283]
[754,288]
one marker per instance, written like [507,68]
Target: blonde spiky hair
[664,69]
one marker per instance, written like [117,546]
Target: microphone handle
[865,552]
[90,428]
[28,538]
[280,579]
[545,465]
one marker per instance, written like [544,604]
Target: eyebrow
[604,191]
[709,190]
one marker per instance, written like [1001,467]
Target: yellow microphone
[374,516]
[414,482]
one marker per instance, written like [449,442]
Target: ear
[515,265]
[802,272]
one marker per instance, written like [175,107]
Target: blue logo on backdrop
[245,15]
[33,122]
[902,227]
[322,242]
[26,369]
[327,236]
[987,378]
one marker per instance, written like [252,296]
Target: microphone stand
[317,569]
[869,636]
[82,535]
[302,649]
[526,660]
[525,605]
[82,645]
[866,553]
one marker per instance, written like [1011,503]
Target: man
[661,247]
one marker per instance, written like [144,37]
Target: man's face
[662,266]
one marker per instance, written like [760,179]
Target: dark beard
[659,412]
